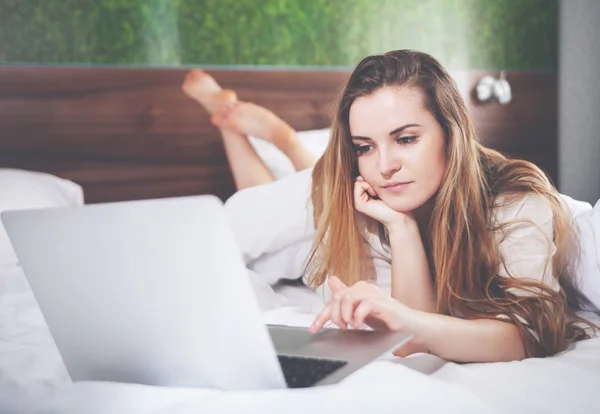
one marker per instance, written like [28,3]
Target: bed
[119,134]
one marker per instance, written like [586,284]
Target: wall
[579,99]
[463,34]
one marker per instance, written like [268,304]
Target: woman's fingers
[367,187]
[361,181]
[338,288]
[331,311]
[335,283]
[377,313]
[358,190]
[347,306]
[335,314]
[362,311]
[320,320]
[342,300]
[361,196]
[363,193]
[354,305]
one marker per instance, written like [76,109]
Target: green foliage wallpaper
[469,34]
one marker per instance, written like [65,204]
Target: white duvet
[33,378]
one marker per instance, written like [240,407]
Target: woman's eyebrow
[402,128]
[395,131]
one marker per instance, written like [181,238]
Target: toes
[197,72]
[203,88]
[197,75]
[193,77]
[199,82]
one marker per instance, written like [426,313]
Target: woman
[419,227]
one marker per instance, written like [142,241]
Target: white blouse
[525,243]
[274,228]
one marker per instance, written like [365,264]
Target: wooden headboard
[125,133]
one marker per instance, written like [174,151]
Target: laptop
[156,292]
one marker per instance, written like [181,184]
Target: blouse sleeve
[525,242]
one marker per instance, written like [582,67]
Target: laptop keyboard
[300,372]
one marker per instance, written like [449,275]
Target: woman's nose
[389,163]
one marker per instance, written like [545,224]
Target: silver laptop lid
[151,292]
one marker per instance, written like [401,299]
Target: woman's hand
[365,303]
[367,202]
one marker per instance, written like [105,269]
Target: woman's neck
[423,217]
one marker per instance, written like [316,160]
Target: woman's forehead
[386,109]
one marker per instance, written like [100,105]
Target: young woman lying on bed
[477,249]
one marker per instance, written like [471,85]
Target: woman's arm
[462,340]
[411,276]
[449,337]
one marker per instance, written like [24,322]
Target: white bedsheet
[33,378]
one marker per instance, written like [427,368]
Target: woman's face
[401,147]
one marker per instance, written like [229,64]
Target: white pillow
[20,189]
[280,166]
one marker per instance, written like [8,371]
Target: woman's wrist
[424,326]
[403,226]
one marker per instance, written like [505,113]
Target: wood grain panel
[125,133]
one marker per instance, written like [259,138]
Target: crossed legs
[236,120]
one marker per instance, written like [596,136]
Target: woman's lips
[396,187]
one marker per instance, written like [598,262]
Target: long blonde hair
[464,254]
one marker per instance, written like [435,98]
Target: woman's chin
[402,206]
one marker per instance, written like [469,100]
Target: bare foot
[201,87]
[250,119]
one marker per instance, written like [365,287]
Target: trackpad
[289,339]
[335,343]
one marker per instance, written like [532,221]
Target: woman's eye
[362,149]
[406,140]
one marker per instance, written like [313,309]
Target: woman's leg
[250,119]
[247,168]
